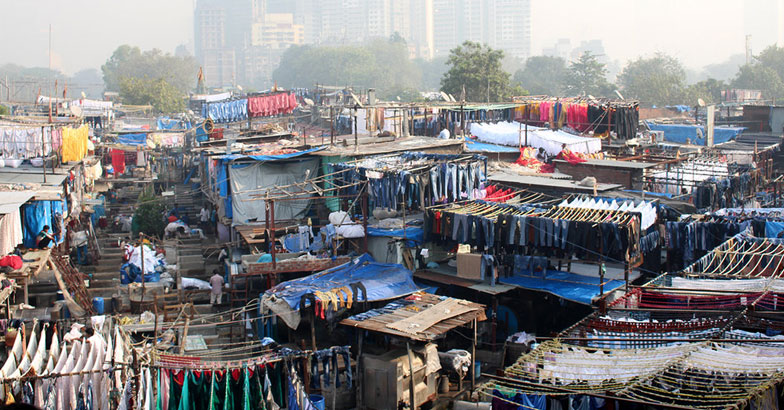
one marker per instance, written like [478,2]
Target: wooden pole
[43,150]
[411,384]
[473,357]
[360,401]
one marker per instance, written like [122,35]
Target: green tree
[432,71]
[157,92]
[709,90]
[543,75]
[773,57]
[132,62]
[381,64]
[659,80]
[4,110]
[476,67]
[588,76]
[148,217]
[757,76]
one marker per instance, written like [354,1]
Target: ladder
[74,280]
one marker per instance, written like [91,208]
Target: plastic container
[317,400]
[98,305]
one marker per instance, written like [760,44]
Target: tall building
[210,45]
[504,24]
[232,37]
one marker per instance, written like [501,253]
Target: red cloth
[14,261]
[172,218]
[118,161]
[274,104]
[571,157]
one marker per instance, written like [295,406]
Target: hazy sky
[699,32]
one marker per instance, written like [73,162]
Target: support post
[473,357]
[271,228]
[411,384]
[360,401]
[43,150]
[331,126]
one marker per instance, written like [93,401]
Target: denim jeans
[523,230]
[564,233]
[487,268]
[458,234]
[81,254]
[489,231]
[451,176]
[435,184]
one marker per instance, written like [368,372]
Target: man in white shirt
[173,228]
[80,243]
[444,134]
[204,219]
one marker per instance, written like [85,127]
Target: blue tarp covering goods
[382,281]
[570,286]
[680,133]
[132,139]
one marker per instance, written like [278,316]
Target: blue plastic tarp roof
[382,281]
[270,157]
[570,286]
[476,146]
[681,132]
[132,139]
[413,234]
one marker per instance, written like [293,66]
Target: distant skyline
[698,32]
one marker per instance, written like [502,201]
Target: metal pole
[331,127]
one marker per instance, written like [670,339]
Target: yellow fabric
[349,295]
[74,143]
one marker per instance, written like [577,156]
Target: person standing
[216,282]
[204,219]
[80,242]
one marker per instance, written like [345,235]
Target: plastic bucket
[317,400]
[98,305]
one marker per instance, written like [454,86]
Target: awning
[569,286]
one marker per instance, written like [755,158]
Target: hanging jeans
[523,220]
[435,184]
[344,351]
[488,226]
[487,267]
[451,176]
[461,229]
[564,224]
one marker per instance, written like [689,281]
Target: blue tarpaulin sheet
[413,234]
[681,132]
[270,157]
[570,286]
[37,214]
[382,281]
[476,146]
[166,123]
[132,139]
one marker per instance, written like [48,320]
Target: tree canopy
[543,75]
[588,76]
[132,62]
[157,92]
[766,73]
[478,68]
[381,64]
[658,80]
